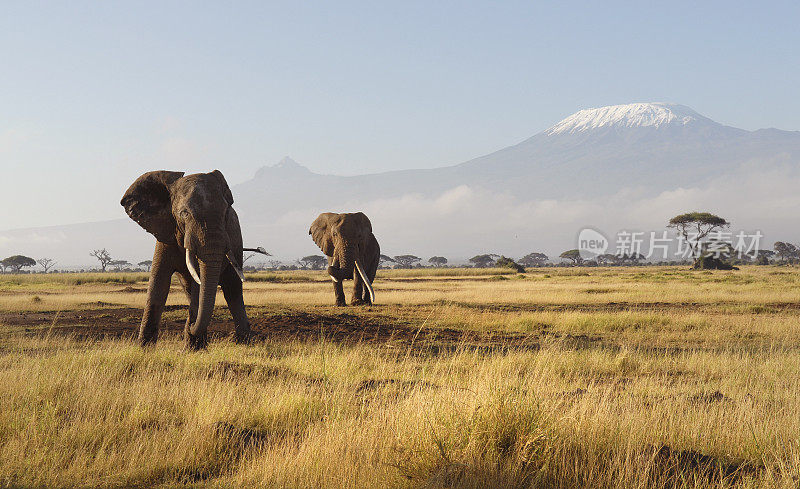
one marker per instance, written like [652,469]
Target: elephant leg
[358,289]
[232,290]
[339,291]
[338,288]
[193,294]
[157,291]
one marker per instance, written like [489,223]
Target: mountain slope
[592,153]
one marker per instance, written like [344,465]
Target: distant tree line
[692,227]
[25,264]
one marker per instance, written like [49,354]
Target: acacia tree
[17,262]
[384,259]
[46,263]
[696,226]
[119,264]
[437,261]
[573,255]
[533,260]
[146,264]
[787,252]
[763,257]
[312,262]
[506,262]
[406,261]
[103,256]
[484,261]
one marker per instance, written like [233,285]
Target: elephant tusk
[366,281]
[236,267]
[239,271]
[335,280]
[192,266]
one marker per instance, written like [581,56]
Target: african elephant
[352,251]
[198,236]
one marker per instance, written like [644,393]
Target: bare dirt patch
[348,328]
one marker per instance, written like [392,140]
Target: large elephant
[352,250]
[198,236]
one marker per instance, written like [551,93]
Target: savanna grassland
[557,378]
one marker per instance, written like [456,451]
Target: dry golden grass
[630,377]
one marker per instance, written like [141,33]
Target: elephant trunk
[210,269]
[347,261]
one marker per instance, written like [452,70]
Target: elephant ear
[320,233]
[147,201]
[363,222]
[226,191]
[234,231]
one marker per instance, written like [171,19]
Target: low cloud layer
[464,221]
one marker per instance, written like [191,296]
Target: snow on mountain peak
[652,114]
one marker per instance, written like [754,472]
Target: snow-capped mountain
[649,147]
[654,114]
[621,166]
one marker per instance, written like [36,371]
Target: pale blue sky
[94,93]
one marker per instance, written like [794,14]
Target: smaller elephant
[352,251]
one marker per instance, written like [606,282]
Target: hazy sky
[94,93]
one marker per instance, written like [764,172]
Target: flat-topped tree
[406,261]
[313,262]
[533,260]
[763,257]
[694,227]
[437,261]
[17,262]
[484,261]
[119,264]
[786,251]
[573,255]
[506,262]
